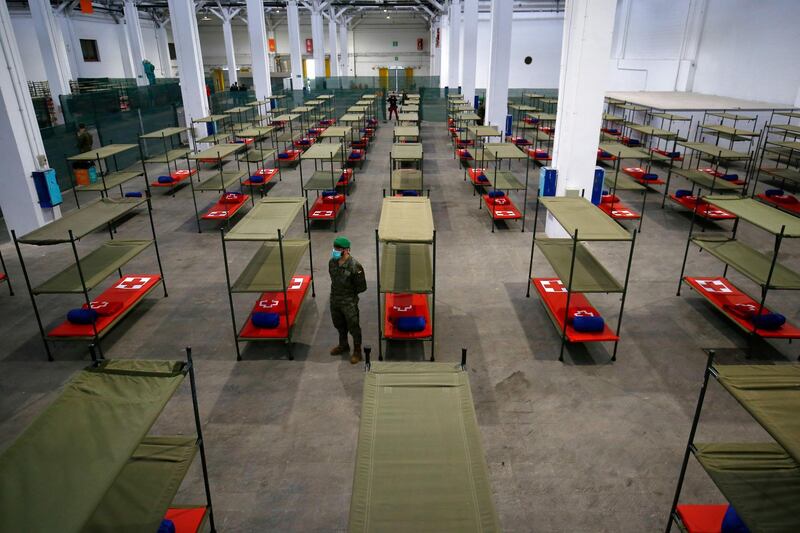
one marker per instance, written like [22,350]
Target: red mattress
[666,153]
[617,210]
[188,519]
[702,518]
[223,210]
[538,154]
[177,177]
[638,173]
[294,155]
[244,140]
[554,296]
[344,179]
[602,155]
[267,173]
[501,208]
[305,142]
[611,131]
[702,208]
[128,291]
[723,294]
[326,207]
[400,305]
[273,302]
[464,154]
[352,159]
[475,173]
[721,175]
[787,202]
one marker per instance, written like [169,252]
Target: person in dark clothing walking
[347,282]
[393,106]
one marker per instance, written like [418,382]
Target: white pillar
[454,35]
[444,50]
[230,55]
[332,38]
[190,63]
[134,29]
[318,37]
[499,63]
[586,45]
[126,58]
[21,147]
[70,42]
[293,23]
[51,43]
[435,50]
[257,29]
[693,33]
[163,50]
[469,51]
[345,56]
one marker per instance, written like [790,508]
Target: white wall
[99,27]
[534,35]
[370,45]
[648,39]
[28,43]
[751,50]
[373,48]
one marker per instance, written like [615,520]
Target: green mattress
[420,464]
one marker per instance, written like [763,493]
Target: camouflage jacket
[347,281]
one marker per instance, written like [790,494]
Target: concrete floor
[580,446]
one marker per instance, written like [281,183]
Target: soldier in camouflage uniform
[347,281]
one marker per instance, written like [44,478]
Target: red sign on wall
[420,44]
[86,6]
[271,44]
[310,46]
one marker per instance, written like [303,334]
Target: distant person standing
[393,106]
[84,139]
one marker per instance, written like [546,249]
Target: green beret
[341,242]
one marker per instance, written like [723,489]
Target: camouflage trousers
[345,319]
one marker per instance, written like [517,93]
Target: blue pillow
[633,142]
[82,316]
[730,177]
[603,153]
[167,526]
[774,192]
[265,320]
[588,324]
[165,179]
[133,194]
[483,177]
[410,323]
[673,154]
[496,194]
[680,193]
[731,523]
[409,193]
[466,154]
[355,155]
[329,192]
[283,155]
[769,321]
[649,176]
[613,131]
[256,179]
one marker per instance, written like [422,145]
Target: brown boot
[356,357]
[340,349]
